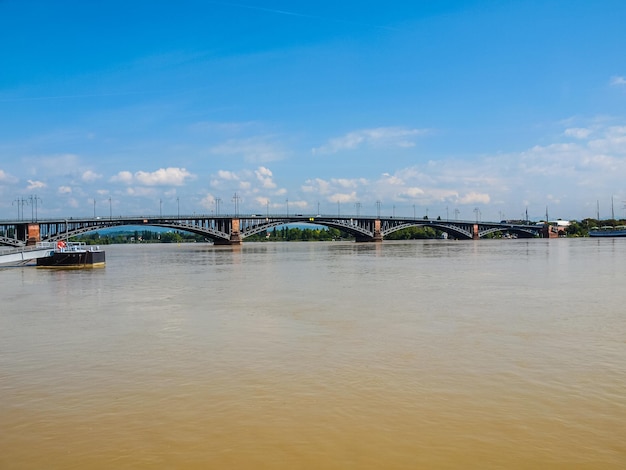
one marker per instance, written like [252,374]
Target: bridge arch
[234,229]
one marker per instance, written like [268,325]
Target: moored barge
[608,231]
[71,255]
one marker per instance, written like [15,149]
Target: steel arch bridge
[233,229]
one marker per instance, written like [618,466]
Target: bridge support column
[235,239]
[29,233]
[362,239]
[235,234]
[475,235]
[377,237]
[34,236]
[550,231]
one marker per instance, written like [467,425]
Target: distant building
[560,223]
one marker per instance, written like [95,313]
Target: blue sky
[430,107]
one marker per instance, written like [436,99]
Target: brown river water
[425,354]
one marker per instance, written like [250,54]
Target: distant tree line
[284,233]
[287,233]
[143,236]
[414,233]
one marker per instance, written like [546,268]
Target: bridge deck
[230,230]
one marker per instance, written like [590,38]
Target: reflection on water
[434,354]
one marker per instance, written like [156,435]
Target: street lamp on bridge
[21,202]
[33,206]
[236,199]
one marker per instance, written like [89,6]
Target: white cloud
[613,140]
[443,195]
[583,164]
[381,136]
[7,178]
[227,175]
[578,132]
[164,177]
[348,183]
[343,197]
[412,192]
[588,161]
[208,201]
[262,200]
[160,177]
[316,185]
[334,189]
[35,185]
[142,191]
[618,81]
[264,175]
[123,177]
[251,186]
[392,180]
[90,176]
[475,198]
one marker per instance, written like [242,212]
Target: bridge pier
[377,237]
[34,235]
[28,233]
[550,231]
[234,240]
[235,235]
[361,239]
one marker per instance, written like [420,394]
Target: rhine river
[494,354]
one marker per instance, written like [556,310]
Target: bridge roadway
[233,229]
